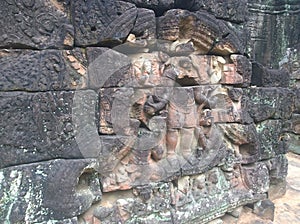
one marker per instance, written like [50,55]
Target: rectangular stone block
[34,193]
[130,206]
[243,139]
[35,24]
[293,125]
[185,198]
[42,70]
[102,22]
[203,104]
[45,125]
[278,168]
[272,138]
[265,77]
[293,144]
[268,103]
[234,11]
[243,67]
[170,28]
[110,68]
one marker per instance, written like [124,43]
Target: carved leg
[171,139]
[202,141]
[157,153]
[186,140]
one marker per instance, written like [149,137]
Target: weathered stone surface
[272,29]
[134,106]
[161,104]
[145,25]
[268,103]
[294,143]
[255,177]
[265,77]
[42,70]
[264,209]
[243,67]
[278,168]
[110,68]
[41,126]
[234,10]
[159,6]
[102,22]
[272,138]
[35,24]
[244,140]
[181,25]
[154,137]
[297,101]
[170,201]
[30,193]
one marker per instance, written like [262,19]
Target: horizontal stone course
[141,111]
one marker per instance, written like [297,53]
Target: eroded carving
[42,70]
[35,24]
[102,22]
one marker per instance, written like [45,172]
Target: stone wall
[140,111]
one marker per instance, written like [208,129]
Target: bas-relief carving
[28,70]
[35,24]
[168,116]
[177,142]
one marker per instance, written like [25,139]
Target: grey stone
[41,126]
[30,193]
[271,26]
[42,70]
[102,22]
[183,24]
[235,11]
[268,103]
[294,143]
[145,25]
[271,138]
[264,209]
[35,24]
[265,77]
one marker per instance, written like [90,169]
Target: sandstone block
[42,70]
[35,24]
[269,77]
[102,23]
[267,103]
[29,192]
[45,125]
[181,24]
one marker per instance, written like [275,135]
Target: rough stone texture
[145,24]
[58,190]
[35,24]
[268,103]
[181,24]
[273,28]
[42,70]
[41,126]
[233,10]
[159,6]
[269,77]
[179,124]
[102,22]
